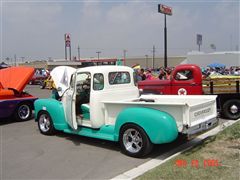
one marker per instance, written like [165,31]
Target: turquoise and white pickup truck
[104,102]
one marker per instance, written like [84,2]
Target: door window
[98,81]
[83,82]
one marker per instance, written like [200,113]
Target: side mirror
[59,89]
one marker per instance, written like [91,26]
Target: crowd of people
[151,74]
[165,73]
[234,71]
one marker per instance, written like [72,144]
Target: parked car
[39,76]
[47,83]
[13,100]
[103,102]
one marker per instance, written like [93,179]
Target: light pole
[78,53]
[166,11]
[98,52]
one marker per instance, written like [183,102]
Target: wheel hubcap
[24,111]
[44,123]
[234,109]
[132,140]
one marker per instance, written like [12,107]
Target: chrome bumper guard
[202,127]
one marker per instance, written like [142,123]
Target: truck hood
[15,77]
[61,76]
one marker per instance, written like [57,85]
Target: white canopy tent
[231,58]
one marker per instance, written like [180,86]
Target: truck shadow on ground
[10,120]
[115,146]
[78,140]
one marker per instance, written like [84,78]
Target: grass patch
[216,158]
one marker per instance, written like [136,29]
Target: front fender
[55,109]
[160,126]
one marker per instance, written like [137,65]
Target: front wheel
[231,109]
[23,112]
[134,141]
[45,124]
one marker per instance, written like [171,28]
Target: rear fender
[160,126]
[55,109]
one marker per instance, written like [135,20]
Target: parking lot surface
[27,154]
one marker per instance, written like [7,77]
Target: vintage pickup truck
[103,102]
[187,79]
[13,100]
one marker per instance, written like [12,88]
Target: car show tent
[231,58]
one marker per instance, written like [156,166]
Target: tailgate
[202,116]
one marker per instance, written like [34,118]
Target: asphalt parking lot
[27,154]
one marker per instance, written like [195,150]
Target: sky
[35,29]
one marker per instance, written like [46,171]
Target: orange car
[13,100]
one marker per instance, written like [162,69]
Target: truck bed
[221,85]
[187,111]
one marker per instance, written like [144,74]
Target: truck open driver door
[69,103]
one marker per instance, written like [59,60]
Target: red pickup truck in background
[187,80]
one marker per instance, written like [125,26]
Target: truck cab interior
[83,88]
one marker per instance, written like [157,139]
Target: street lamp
[166,11]
[98,52]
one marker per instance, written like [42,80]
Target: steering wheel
[80,88]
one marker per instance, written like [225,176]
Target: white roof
[105,69]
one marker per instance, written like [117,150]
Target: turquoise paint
[160,126]
[106,132]
[55,109]
[85,112]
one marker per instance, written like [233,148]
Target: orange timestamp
[196,163]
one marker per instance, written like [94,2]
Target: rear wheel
[45,124]
[23,112]
[134,141]
[231,109]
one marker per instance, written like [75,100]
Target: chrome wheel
[234,109]
[24,111]
[132,140]
[231,109]
[44,123]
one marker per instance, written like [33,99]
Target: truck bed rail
[221,85]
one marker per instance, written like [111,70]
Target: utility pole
[153,56]
[146,60]
[124,56]
[78,53]
[15,59]
[98,52]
